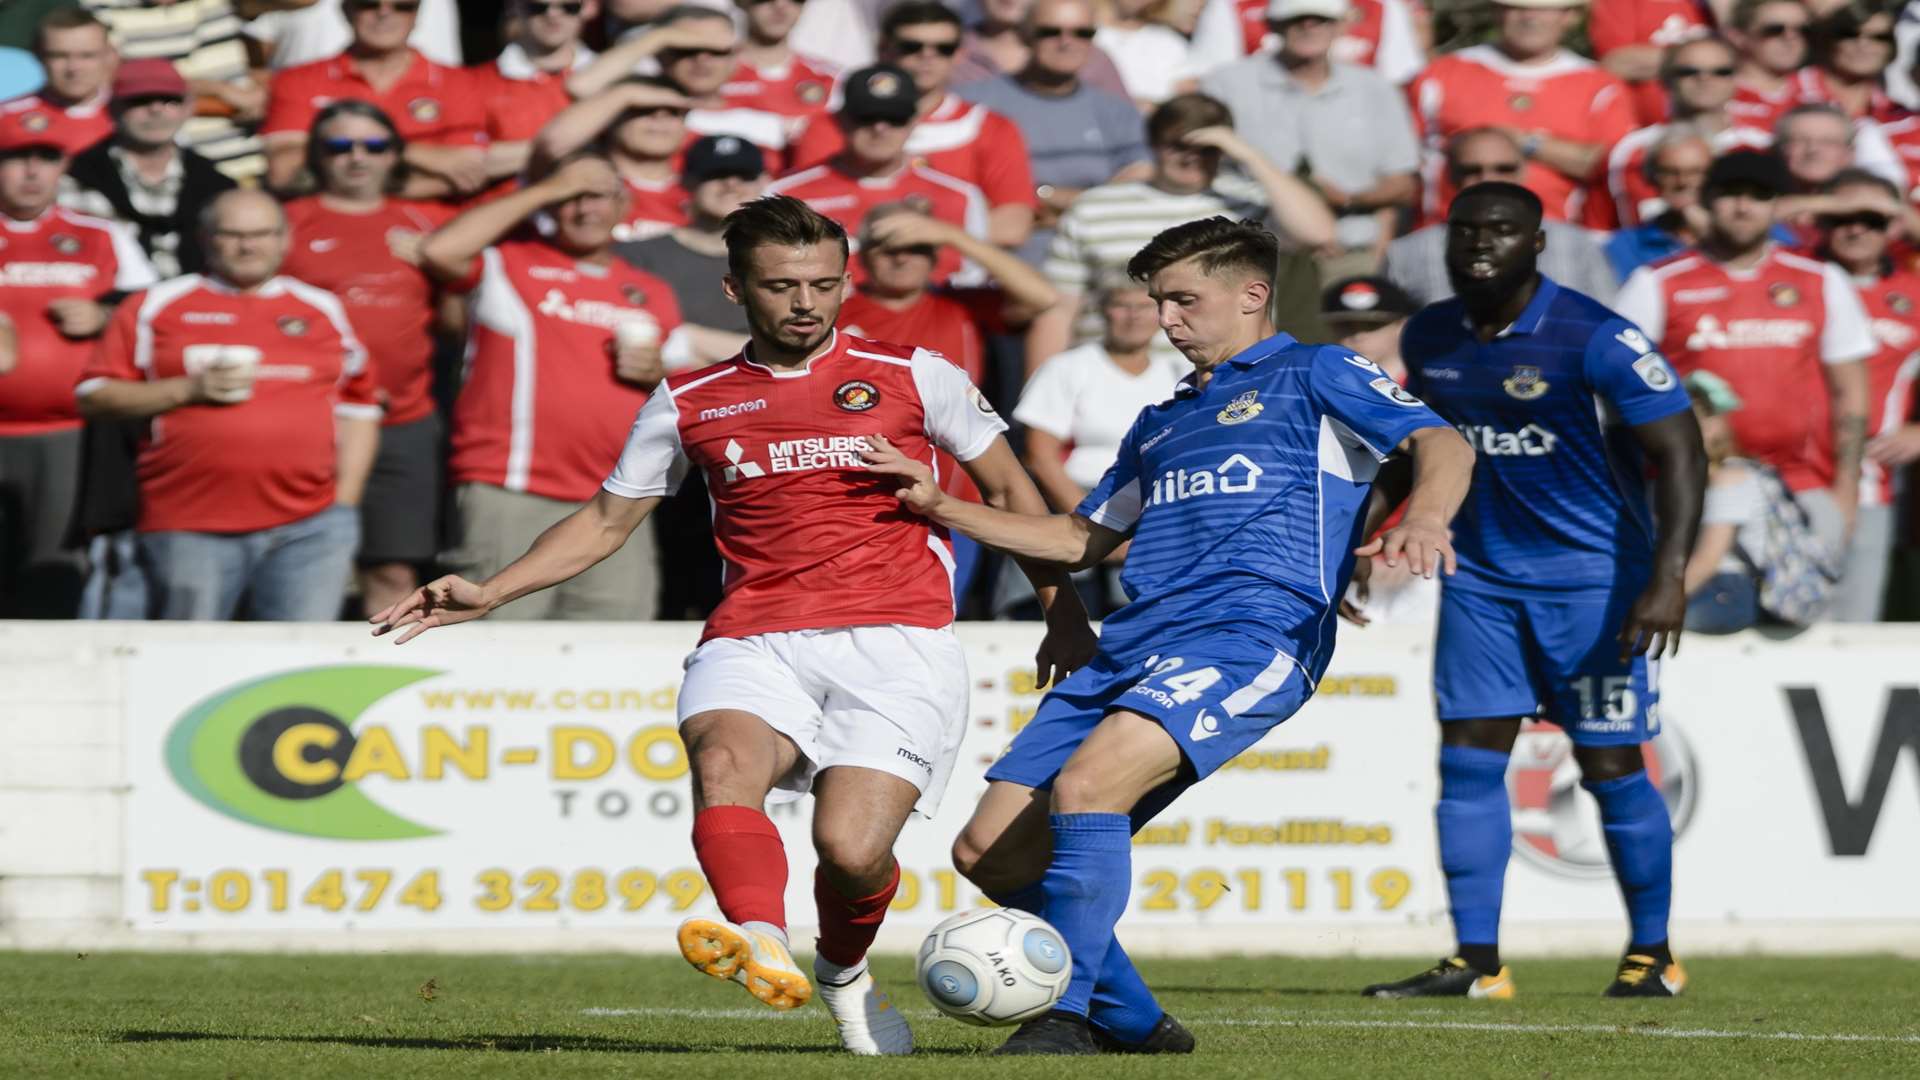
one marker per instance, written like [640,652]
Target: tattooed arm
[1847,397]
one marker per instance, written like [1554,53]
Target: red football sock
[847,924]
[746,865]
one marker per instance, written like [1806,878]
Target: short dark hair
[1857,177]
[1219,245]
[65,18]
[687,12]
[1501,191]
[1184,113]
[917,13]
[1669,57]
[776,220]
[367,110]
[1745,11]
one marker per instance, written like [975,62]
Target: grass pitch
[147,1015]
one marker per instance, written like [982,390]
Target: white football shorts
[891,698]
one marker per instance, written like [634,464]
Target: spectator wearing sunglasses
[997,45]
[293,36]
[1852,47]
[1416,262]
[1698,79]
[876,119]
[1563,110]
[1631,39]
[1860,243]
[1787,333]
[1077,136]
[771,76]
[526,85]
[953,135]
[641,125]
[1390,36]
[355,240]
[694,49]
[433,106]
[1771,36]
[1817,142]
[58,272]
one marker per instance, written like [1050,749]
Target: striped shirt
[202,38]
[1109,224]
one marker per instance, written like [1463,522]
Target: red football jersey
[809,538]
[1569,97]
[516,98]
[846,198]
[652,208]
[799,90]
[253,464]
[966,141]
[73,127]
[1893,305]
[769,131]
[57,255]
[1766,331]
[389,300]
[1761,109]
[541,410]
[1617,24]
[1631,198]
[1903,132]
[429,103]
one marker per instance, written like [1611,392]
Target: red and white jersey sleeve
[516,98]
[798,90]
[1893,305]
[1618,24]
[58,255]
[1631,198]
[541,410]
[966,141]
[429,103]
[1846,334]
[809,538]
[1568,97]
[253,464]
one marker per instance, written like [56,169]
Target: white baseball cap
[1283,10]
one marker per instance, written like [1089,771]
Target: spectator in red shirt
[642,126]
[877,119]
[958,137]
[526,85]
[57,269]
[1852,49]
[696,50]
[79,60]
[1563,110]
[1772,38]
[433,106]
[565,345]
[772,77]
[1631,38]
[1859,242]
[266,423]
[355,241]
[899,302]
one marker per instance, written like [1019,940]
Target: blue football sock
[1640,839]
[1476,837]
[1122,1006]
[1086,891]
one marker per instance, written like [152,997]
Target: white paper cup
[636,332]
[244,358]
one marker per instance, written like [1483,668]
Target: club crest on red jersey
[292,325]
[36,122]
[1784,295]
[810,93]
[856,395]
[635,294]
[1520,102]
[1898,303]
[424,109]
[65,244]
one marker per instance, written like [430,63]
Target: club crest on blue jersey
[1525,383]
[1241,409]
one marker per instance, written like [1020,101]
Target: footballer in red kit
[830,665]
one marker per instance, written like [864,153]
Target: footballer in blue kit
[1569,584]
[1246,497]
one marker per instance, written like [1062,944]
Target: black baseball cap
[1369,299]
[880,92]
[721,155]
[1748,168]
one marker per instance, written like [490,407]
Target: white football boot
[869,1024]
[755,959]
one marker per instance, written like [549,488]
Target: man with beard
[830,666]
[1560,558]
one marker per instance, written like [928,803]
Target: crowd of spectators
[298,304]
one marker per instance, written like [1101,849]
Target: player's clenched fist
[441,602]
[918,489]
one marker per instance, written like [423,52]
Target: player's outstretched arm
[1673,447]
[1442,469]
[576,542]
[1068,539]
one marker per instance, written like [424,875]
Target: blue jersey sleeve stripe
[1119,511]
[1262,686]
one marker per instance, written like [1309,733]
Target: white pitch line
[1285,1022]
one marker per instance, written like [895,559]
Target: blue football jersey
[1559,496]
[1246,499]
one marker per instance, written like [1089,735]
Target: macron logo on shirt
[721,412]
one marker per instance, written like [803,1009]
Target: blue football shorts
[1216,696]
[1557,658]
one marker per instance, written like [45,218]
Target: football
[995,966]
